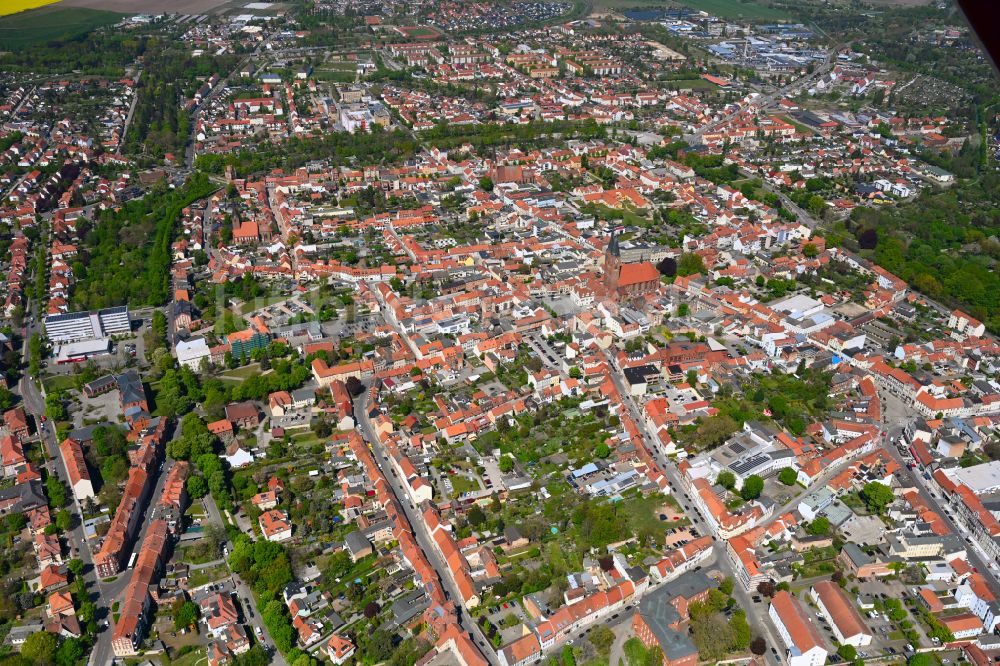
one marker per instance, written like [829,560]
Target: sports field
[45,23]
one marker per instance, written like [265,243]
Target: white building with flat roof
[79,326]
[191,353]
[980,479]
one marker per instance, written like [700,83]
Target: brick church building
[625,281]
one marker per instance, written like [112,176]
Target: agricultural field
[14,6]
[153,6]
[47,23]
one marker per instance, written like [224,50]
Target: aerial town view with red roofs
[499,333]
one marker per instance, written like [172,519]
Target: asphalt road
[423,537]
[912,478]
[771,98]
[34,404]
[243,591]
[756,613]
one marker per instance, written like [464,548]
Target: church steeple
[613,248]
[612,262]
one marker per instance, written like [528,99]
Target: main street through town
[756,612]
[895,415]
[423,537]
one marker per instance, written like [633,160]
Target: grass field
[729,9]
[47,23]
[462,484]
[734,9]
[190,659]
[693,84]
[60,383]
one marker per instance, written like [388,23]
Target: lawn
[799,127]
[617,5]
[190,659]
[201,577]
[60,383]
[262,302]
[18,31]
[643,514]
[242,372]
[195,511]
[337,76]
[462,484]
[307,438]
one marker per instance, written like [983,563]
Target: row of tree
[128,250]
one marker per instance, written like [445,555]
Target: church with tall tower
[626,281]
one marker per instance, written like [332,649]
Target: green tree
[15,522]
[726,479]
[64,520]
[714,430]
[877,496]
[788,476]
[635,652]
[847,652]
[476,516]
[602,638]
[819,526]
[54,407]
[56,491]
[75,566]
[6,398]
[809,250]
[196,487]
[339,565]
[185,614]
[70,652]
[752,487]
[713,636]
[377,648]
[741,630]
[690,264]
[816,204]
[40,648]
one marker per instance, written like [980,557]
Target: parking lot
[497,615]
[550,354]
[680,536]
[879,624]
